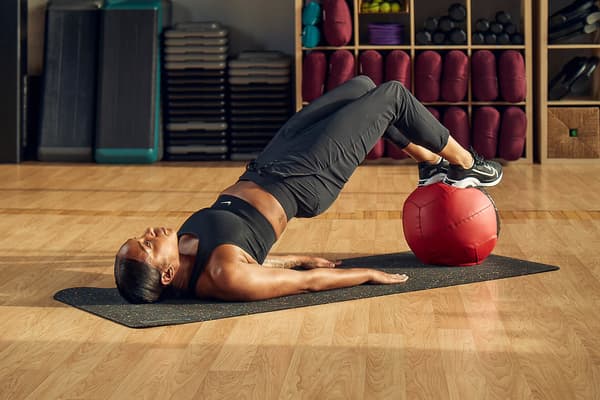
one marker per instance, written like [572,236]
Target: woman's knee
[365,82]
[394,88]
[393,94]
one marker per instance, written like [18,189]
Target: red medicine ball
[445,225]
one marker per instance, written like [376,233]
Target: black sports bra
[230,220]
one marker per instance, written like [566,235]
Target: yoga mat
[107,303]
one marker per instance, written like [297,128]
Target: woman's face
[156,246]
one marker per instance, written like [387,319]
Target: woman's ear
[166,277]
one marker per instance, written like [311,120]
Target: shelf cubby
[413,20]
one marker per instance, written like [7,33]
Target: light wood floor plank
[533,337]
[385,375]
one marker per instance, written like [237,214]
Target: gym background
[256,24]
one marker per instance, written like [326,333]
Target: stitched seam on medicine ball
[462,221]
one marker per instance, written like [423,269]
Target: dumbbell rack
[550,58]
[413,19]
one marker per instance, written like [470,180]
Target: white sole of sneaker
[471,182]
[434,179]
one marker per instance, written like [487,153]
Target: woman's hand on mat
[309,262]
[383,278]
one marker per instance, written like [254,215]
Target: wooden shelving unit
[547,58]
[524,17]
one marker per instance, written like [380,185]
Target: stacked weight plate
[260,100]
[195,64]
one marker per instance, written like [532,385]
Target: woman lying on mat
[221,252]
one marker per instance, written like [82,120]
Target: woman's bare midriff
[263,201]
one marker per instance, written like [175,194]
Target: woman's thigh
[329,103]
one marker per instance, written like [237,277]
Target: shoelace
[476,157]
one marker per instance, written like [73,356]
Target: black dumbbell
[510,28]
[517,38]
[490,38]
[496,28]
[482,25]
[431,24]
[439,37]
[457,12]
[446,24]
[458,36]
[503,38]
[478,38]
[423,38]
[503,17]
[571,12]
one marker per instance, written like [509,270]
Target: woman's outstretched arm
[293,261]
[249,282]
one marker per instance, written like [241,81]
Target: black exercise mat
[197,91]
[249,142]
[199,104]
[209,135]
[196,73]
[242,156]
[260,104]
[196,118]
[170,141]
[210,112]
[186,157]
[258,112]
[185,80]
[247,126]
[107,303]
[254,119]
[253,96]
[191,96]
[261,87]
[253,134]
[193,113]
[247,149]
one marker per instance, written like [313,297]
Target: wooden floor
[536,336]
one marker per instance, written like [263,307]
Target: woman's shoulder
[222,264]
[228,253]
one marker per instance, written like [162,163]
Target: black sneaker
[432,173]
[482,173]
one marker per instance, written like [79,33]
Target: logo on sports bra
[226,202]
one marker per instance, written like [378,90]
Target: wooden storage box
[573,132]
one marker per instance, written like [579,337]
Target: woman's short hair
[137,281]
